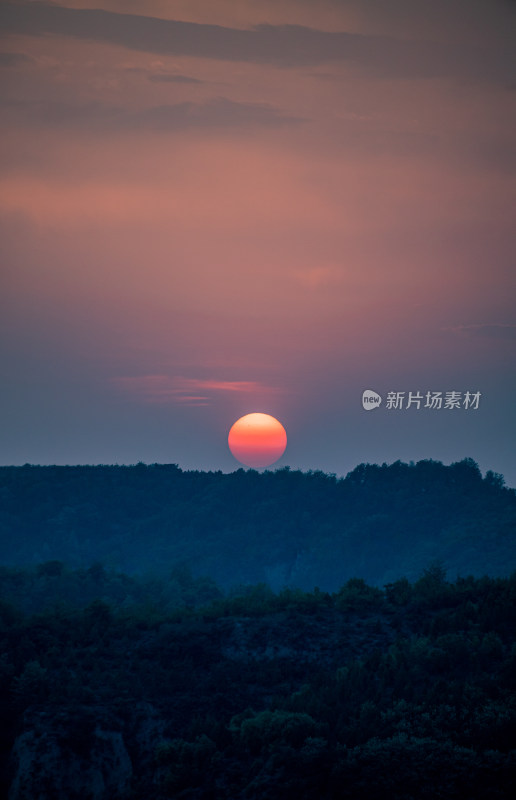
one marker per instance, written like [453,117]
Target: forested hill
[284,527]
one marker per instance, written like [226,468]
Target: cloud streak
[217,114]
[165,389]
[164,77]
[278,45]
[13,59]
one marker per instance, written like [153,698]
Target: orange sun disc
[257,440]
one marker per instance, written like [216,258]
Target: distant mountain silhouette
[284,527]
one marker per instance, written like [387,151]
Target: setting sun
[257,440]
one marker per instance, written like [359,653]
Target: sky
[215,207]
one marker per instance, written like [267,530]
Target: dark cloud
[13,59]
[163,77]
[280,45]
[217,114]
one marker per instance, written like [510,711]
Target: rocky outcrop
[60,757]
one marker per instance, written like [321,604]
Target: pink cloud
[184,391]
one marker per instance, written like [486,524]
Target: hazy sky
[213,207]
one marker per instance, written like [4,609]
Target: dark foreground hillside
[283,527]
[406,692]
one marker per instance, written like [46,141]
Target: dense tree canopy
[283,528]
[169,634]
[406,692]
